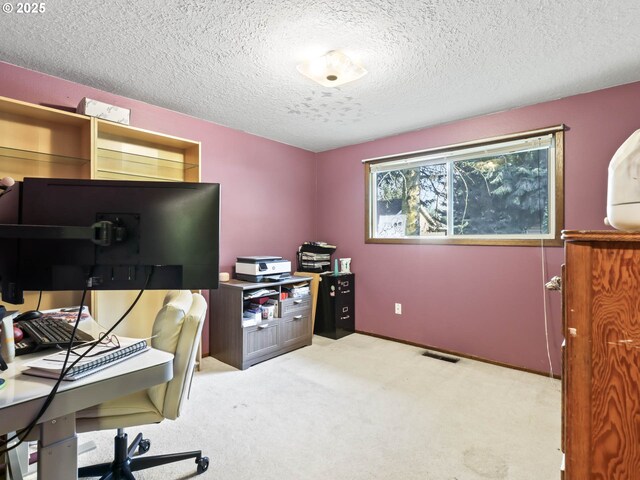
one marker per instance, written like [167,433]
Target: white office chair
[176,329]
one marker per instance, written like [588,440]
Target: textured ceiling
[234,62]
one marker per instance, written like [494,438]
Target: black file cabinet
[335,313]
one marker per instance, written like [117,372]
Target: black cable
[23,433]
[39,300]
[113,327]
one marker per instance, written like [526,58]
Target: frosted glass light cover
[332,69]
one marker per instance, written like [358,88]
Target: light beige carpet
[360,408]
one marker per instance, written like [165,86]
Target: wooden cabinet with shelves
[128,153]
[40,141]
[601,358]
[242,342]
[37,141]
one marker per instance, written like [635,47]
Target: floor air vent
[440,356]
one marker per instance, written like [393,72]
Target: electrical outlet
[398,309]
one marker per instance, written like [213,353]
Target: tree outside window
[502,192]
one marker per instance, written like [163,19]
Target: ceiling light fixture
[332,69]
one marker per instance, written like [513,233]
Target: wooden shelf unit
[128,153]
[37,141]
[40,141]
[242,346]
[45,142]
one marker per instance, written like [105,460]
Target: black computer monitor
[170,228]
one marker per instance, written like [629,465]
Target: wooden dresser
[601,356]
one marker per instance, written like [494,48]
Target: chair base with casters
[125,463]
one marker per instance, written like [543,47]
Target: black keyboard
[42,333]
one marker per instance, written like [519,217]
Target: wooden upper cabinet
[37,141]
[40,141]
[128,153]
[601,385]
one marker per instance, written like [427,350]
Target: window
[500,191]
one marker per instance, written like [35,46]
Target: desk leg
[58,449]
[18,460]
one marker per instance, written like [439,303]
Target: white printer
[262,269]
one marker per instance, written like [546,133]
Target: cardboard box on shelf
[95,108]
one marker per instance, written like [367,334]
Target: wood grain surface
[602,384]
[615,353]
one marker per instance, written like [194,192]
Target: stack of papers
[263,292]
[315,260]
[300,289]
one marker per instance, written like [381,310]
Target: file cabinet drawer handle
[263,326]
[297,317]
[297,302]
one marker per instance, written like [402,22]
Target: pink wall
[482,301]
[267,187]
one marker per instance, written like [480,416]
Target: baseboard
[459,354]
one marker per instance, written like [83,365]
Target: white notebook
[102,356]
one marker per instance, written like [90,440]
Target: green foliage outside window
[502,195]
[477,196]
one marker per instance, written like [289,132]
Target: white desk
[24,395]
